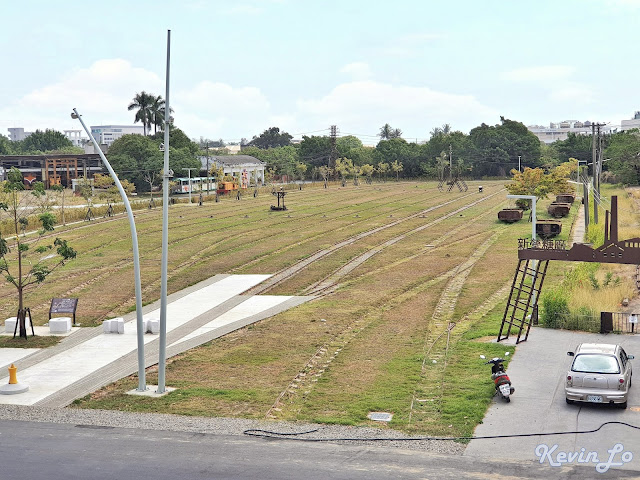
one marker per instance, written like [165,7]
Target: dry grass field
[398,264]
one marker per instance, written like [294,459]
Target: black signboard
[63,305]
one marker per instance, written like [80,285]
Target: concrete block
[114,325]
[118,325]
[152,326]
[106,326]
[60,325]
[10,324]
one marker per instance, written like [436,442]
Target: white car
[600,373]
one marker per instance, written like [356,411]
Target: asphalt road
[34,451]
[538,371]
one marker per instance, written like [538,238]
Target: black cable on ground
[254,432]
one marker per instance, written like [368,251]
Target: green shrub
[555,307]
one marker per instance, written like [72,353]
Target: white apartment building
[75,136]
[18,134]
[561,130]
[107,134]
[633,123]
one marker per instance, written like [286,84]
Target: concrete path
[89,358]
[579,229]
[538,371]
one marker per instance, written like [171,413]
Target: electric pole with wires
[333,156]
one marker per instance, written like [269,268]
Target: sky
[240,67]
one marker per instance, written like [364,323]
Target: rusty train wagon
[565,198]
[548,228]
[559,210]
[510,215]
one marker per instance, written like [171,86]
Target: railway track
[303,382]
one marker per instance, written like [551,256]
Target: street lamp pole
[519,163]
[142,386]
[166,174]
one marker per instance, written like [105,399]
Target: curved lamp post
[136,258]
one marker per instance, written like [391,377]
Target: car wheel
[507,399]
[622,405]
[630,378]
[569,402]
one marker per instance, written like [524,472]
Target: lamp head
[74,115]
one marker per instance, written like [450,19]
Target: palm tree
[143,102]
[385,132]
[157,113]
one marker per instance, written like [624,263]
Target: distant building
[75,137]
[107,134]
[246,168]
[633,123]
[52,169]
[561,130]
[18,134]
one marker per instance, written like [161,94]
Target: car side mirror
[630,357]
[571,354]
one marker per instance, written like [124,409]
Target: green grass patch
[7,341]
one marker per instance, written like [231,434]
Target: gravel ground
[226,426]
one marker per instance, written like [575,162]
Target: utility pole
[334,151]
[450,162]
[519,163]
[189,170]
[208,185]
[595,168]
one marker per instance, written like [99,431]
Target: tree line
[486,151]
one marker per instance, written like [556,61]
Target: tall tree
[624,152]
[5,145]
[315,150]
[49,140]
[271,138]
[386,132]
[157,111]
[143,103]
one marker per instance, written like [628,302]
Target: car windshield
[595,363]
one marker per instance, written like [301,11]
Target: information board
[63,305]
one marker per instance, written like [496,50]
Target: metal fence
[608,322]
[618,322]
[584,323]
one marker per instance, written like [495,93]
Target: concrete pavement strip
[89,359]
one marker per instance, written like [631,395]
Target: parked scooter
[500,377]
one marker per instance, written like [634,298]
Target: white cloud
[573,92]
[409,44]
[556,80]
[101,93]
[244,10]
[215,109]
[357,70]
[360,107]
[621,4]
[543,74]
